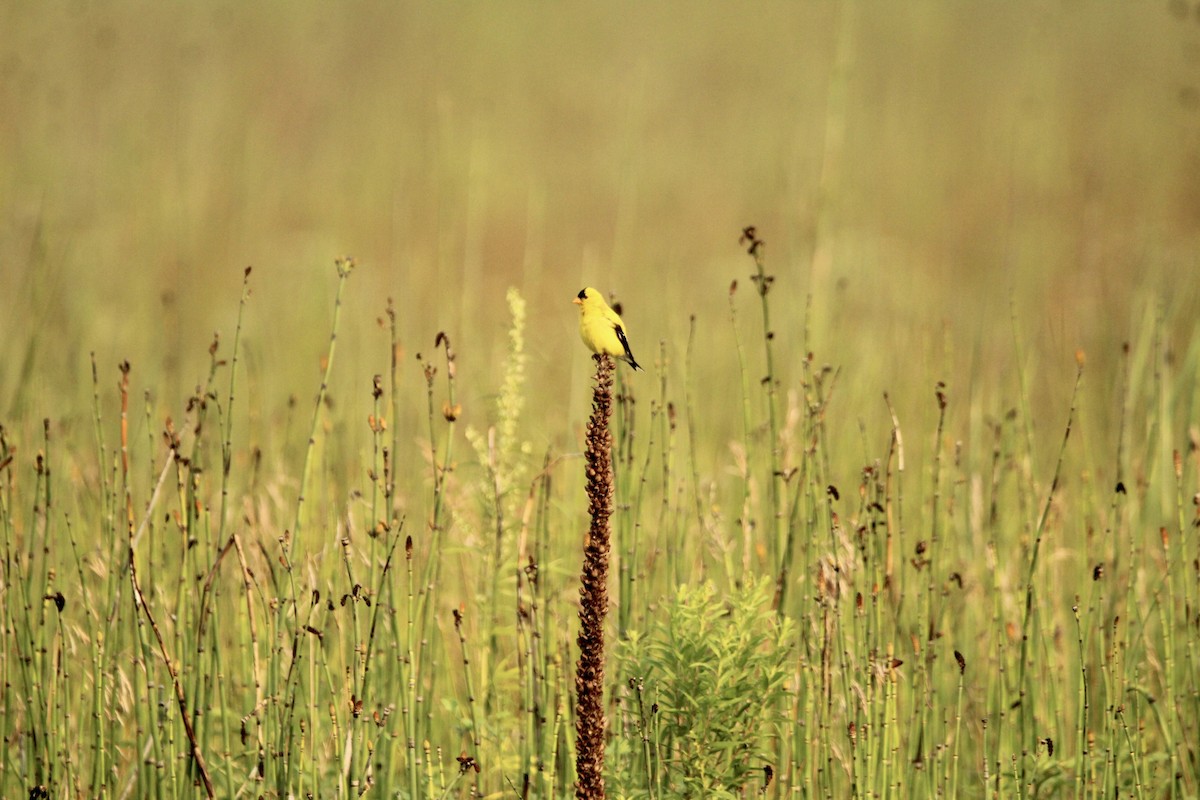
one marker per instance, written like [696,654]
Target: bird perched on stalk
[602,330]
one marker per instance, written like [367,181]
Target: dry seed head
[591,725]
[466,763]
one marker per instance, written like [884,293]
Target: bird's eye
[582,294]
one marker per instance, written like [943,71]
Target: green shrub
[706,682]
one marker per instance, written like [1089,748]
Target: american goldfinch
[602,330]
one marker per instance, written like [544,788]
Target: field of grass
[907,501]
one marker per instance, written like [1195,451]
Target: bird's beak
[577,301]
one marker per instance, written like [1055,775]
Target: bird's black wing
[625,343]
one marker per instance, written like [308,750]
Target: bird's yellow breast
[600,335]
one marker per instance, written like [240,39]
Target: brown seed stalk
[590,724]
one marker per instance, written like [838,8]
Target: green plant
[708,680]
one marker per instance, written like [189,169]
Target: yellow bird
[602,330]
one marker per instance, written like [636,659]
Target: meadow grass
[1014,618]
[880,529]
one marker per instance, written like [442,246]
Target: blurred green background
[924,170]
